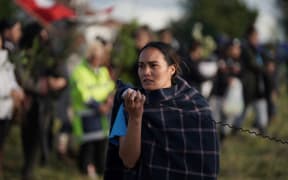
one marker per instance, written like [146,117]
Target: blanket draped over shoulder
[179,138]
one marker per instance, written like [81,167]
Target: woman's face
[153,70]
[254,38]
[235,51]
[97,57]
[142,39]
[196,54]
[16,32]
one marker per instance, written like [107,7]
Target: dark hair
[170,55]
[194,46]
[143,28]
[250,30]
[7,24]
[30,31]
[232,42]
[164,30]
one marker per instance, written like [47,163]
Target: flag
[46,11]
[105,11]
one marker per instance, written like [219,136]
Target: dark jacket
[253,70]
[221,80]
[191,73]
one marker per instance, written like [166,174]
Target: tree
[7,9]
[217,16]
[124,53]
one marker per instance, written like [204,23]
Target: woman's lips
[147,81]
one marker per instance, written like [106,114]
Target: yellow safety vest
[86,84]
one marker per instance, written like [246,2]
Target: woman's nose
[146,70]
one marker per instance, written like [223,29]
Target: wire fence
[254,133]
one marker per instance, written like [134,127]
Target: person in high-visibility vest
[92,98]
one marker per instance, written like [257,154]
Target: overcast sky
[267,20]
[157,13]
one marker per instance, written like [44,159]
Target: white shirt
[7,84]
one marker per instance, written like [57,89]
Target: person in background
[166,36]
[228,76]
[190,66]
[270,76]
[164,130]
[92,97]
[65,144]
[11,97]
[12,34]
[254,84]
[62,109]
[143,35]
[41,80]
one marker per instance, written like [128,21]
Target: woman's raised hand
[134,104]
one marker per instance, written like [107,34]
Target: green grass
[243,157]
[249,157]
[56,168]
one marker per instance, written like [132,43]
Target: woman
[91,93]
[227,87]
[11,97]
[42,80]
[167,131]
[12,33]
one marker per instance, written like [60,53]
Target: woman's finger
[131,95]
[143,98]
[137,96]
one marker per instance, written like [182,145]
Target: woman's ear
[172,69]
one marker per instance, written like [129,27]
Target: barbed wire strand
[251,132]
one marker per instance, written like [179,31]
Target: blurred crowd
[37,90]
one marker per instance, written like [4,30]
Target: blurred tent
[58,15]
[46,11]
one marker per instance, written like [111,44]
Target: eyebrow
[149,62]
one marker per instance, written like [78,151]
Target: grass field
[249,157]
[243,157]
